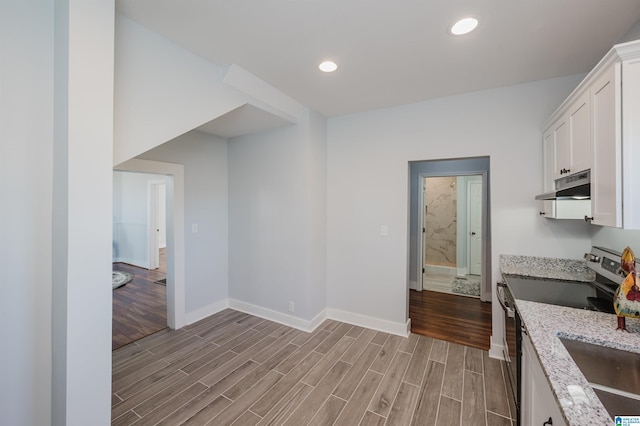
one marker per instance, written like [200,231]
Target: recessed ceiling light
[464,26]
[328,66]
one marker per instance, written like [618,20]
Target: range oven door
[511,344]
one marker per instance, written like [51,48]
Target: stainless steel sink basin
[614,375]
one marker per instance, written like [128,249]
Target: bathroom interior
[452,207]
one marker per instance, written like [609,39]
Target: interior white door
[474,218]
[155,217]
[162,215]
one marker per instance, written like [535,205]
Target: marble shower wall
[441,221]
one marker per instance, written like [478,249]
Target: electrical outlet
[292,306]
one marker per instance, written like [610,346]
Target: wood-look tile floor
[234,368]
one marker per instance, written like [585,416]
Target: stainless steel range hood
[573,187]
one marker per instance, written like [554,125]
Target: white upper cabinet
[579,135]
[598,128]
[562,145]
[571,135]
[606,172]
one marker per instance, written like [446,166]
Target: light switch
[194,228]
[384,231]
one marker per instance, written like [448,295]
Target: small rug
[469,287]
[120,278]
[161,282]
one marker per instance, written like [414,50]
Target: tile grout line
[444,371]
[484,394]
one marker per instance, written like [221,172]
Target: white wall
[131,218]
[162,90]
[276,219]
[616,239]
[26,159]
[367,170]
[632,33]
[206,204]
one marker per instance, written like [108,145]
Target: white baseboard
[437,269]
[463,271]
[205,311]
[496,351]
[413,285]
[397,328]
[279,317]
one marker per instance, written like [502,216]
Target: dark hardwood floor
[139,307]
[457,319]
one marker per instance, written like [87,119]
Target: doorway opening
[448,246]
[139,235]
[172,175]
[451,214]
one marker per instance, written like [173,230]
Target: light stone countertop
[546,268]
[546,323]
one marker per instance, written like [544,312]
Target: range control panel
[606,262]
[610,265]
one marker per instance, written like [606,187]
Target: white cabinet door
[548,172]
[562,141]
[538,402]
[606,165]
[580,135]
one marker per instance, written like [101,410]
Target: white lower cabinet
[538,403]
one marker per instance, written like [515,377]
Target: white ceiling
[390,52]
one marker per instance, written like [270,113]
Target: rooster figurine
[626,301]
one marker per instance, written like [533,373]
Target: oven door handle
[509,311]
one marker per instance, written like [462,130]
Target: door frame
[468,214]
[174,178]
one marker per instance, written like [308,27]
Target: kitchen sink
[613,374]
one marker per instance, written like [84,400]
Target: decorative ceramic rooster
[626,301]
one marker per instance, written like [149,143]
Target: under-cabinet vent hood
[574,187]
